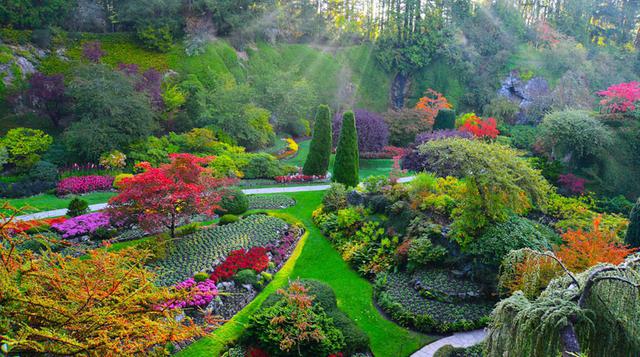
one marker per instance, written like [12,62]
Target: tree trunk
[570,344]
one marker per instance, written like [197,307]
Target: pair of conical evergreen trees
[347,162]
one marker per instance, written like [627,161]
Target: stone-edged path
[251,191]
[460,339]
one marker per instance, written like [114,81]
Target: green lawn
[318,260]
[48,202]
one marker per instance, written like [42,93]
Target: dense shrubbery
[373,134]
[233,201]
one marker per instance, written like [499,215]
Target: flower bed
[290,151]
[299,178]
[81,225]
[200,294]
[84,184]
[255,258]
[389,152]
[270,202]
[396,295]
[205,249]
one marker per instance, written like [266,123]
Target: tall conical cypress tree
[347,164]
[317,162]
[633,232]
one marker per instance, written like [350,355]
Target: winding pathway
[251,191]
[460,339]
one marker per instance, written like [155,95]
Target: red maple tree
[481,128]
[583,250]
[168,195]
[431,104]
[620,98]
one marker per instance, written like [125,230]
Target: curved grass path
[318,260]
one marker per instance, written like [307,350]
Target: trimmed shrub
[335,198]
[246,277]
[44,171]
[187,229]
[633,232]
[423,252]
[77,207]
[317,162]
[261,165]
[228,218]
[200,277]
[446,119]
[233,201]
[347,164]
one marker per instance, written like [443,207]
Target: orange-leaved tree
[431,104]
[583,249]
[105,304]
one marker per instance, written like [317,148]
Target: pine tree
[446,119]
[633,232]
[320,149]
[345,169]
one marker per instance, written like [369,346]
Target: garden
[318,178]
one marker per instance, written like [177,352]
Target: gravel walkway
[254,191]
[460,339]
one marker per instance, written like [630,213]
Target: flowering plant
[620,98]
[200,294]
[84,184]
[280,251]
[255,258]
[292,148]
[81,225]
[480,128]
[299,177]
[113,160]
[23,226]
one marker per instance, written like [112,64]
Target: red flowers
[256,258]
[480,128]
[298,178]
[620,98]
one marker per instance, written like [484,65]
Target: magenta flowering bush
[81,225]
[84,184]
[200,294]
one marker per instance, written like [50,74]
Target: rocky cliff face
[532,97]
[399,91]
[18,62]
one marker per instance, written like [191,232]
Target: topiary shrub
[233,201]
[77,207]
[446,119]
[228,219]
[187,229]
[335,198]
[347,164]
[317,162]
[44,171]
[246,277]
[633,232]
[200,277]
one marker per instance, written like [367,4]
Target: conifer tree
[346,166]
[633,232]
[317,162]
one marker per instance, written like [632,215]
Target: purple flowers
[201,294]
[442,134]
[81,225]
[84,184]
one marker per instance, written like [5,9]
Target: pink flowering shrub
[84,184]
[200,294]
[299,178]
[620,98]
[81,225]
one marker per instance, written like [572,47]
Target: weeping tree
[596,311]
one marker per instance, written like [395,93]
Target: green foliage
[423,252]
[200,277]
[446,119]
[4,156]
[157,38]
[346,166]
[317,162]
[502,109]
[335,198]
[228,219]
[270,202]
[25,146]
[77,207]
[295,326]
[522,136]
[44,171]
[515,233]
[260,165]
[187,229]
[160,246]
[34,14]
[234,202]
[113,120]
[199,251]
[575,133]
[374,185]
[246,277]
[633,232]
